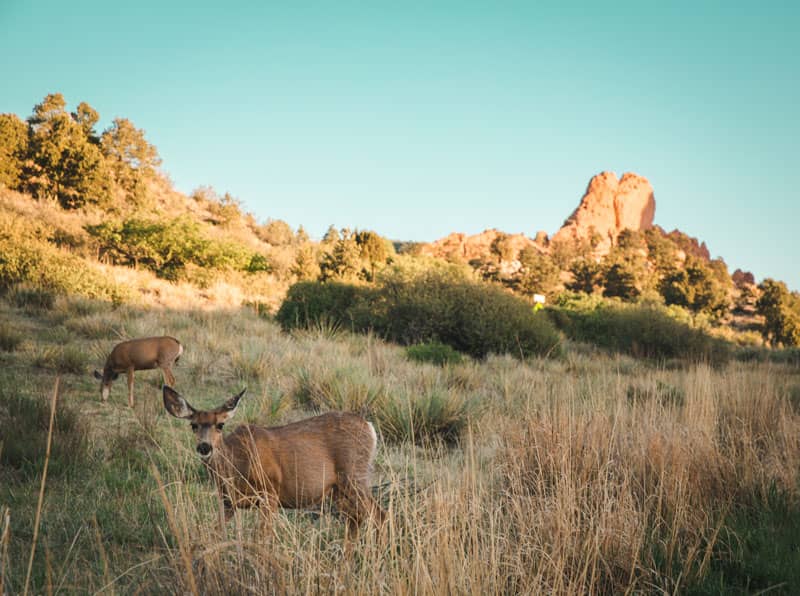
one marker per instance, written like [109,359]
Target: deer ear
[228,409]
[97,375]
[176,405]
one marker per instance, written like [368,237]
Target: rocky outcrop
[608,207]
[478,246]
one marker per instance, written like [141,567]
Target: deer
[296,466]
[145,353]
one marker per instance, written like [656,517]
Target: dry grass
[588,474]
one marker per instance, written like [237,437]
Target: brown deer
[295,466]
[145,353]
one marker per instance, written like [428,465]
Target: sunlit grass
[583,474]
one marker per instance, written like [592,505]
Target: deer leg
[130,387]
[170,378]
[357,504]
[268,508]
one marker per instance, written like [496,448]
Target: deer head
[206,425]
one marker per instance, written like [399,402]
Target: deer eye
[220,425]
[194,426]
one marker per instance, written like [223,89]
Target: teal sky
[417,119]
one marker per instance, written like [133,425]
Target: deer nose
[204,449]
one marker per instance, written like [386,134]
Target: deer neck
[220,463]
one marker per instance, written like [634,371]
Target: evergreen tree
[343,262]
[539,274]
[502,248]
[781,311]
[13,150]
[697,287]
[305,267]
[133,161]
[620,280]
[64,164]
[374,251]
[587,276]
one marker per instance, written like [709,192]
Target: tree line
[58,155]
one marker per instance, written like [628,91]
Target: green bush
[473,318]
[311,304]
[642,331]
[169,248]
[435,353]
[43,267]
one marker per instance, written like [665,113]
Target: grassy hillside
[581,473]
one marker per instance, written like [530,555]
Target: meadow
[583,472]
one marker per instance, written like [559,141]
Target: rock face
[608,207]
[463,247]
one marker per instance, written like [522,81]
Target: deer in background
[145,353]
[295,466]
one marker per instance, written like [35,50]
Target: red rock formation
[608,207]
[461,246]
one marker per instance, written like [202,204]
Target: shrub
[67,359]
[435,353]
[338,389]
[309,304]
[432,417]
[39,265]
[642,331]
[470,317]
[31,298]
[474,318]
[9,338]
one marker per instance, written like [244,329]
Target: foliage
[781,311]
[434,353]
[305,266]
[697,287]
[64,163]
[642,331]
[375,251]
[622,280]
[32,298]
[502,248]
[13,149]
[45,267]
[538,275]
[587,276]
[132,160]
[432,417]
[310,304]
[168,248]
[276,232]
[470,317]
[343,261]
[10,338]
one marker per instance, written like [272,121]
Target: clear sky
[417,119]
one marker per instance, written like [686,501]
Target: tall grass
[589,473]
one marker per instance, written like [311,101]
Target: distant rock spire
[608,207]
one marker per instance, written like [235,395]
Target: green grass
[762,550]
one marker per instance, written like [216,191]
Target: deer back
[303,461]
[144,353]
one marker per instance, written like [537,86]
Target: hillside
[90,213]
